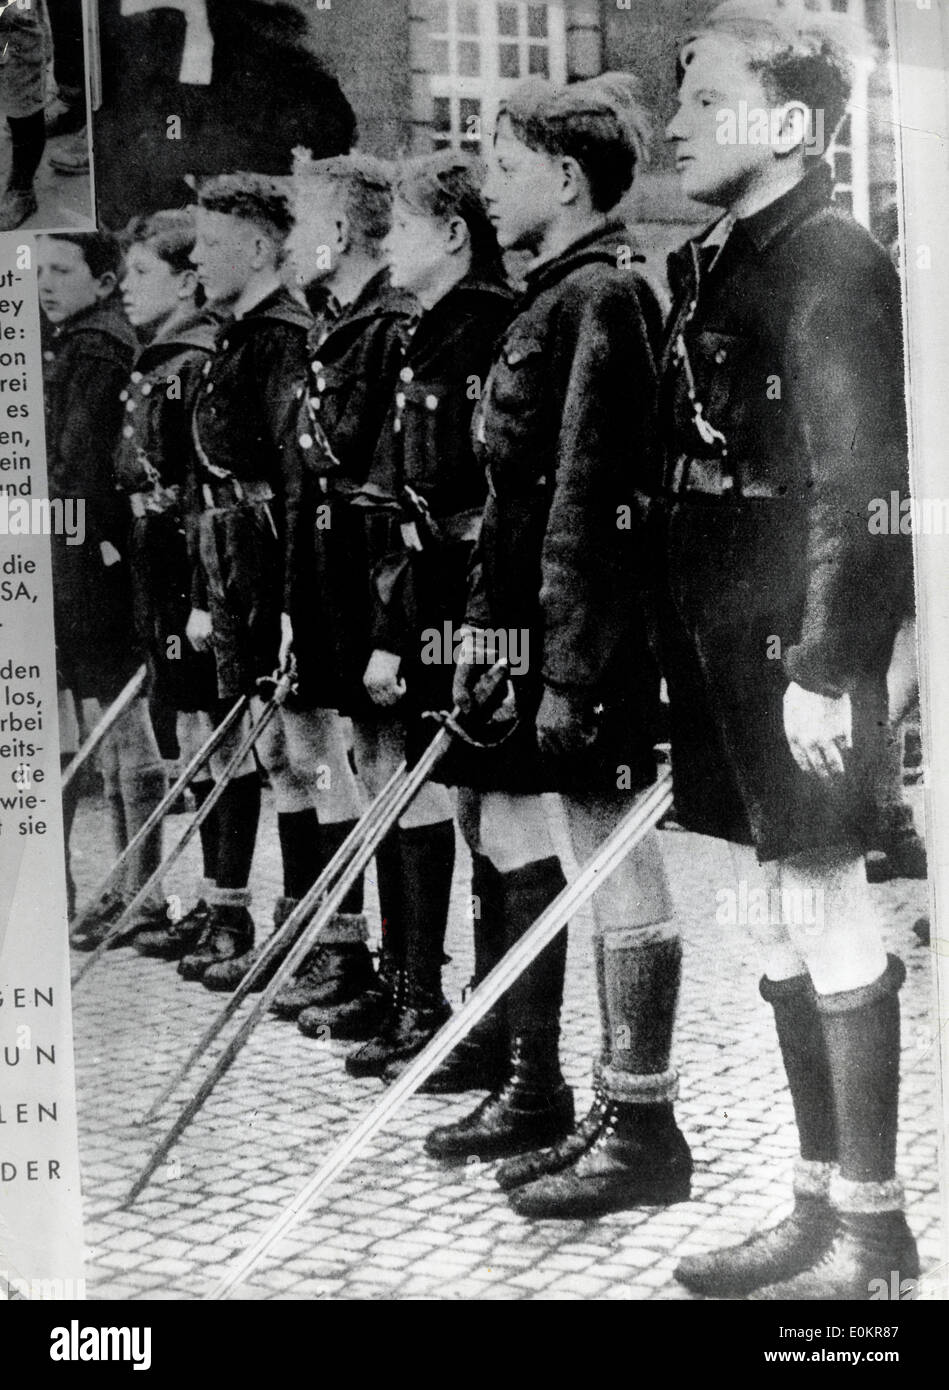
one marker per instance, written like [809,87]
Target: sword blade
[644,816]
[364,827]
[106,724]
[213,741]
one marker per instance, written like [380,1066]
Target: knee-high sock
[142,789]
[862,1034]
[428,864]
[210,830]
[299,850]
[28,141]
[804,1053]
[238,816]
[332,835]
[642,968]
[534,1000]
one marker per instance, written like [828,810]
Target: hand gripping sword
[648,810]
[365,839]
[282,688]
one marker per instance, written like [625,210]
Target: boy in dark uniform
[250,485]
[153,466]
[343,210]
[88,352]
[566,431]
[443,250]
[783,414]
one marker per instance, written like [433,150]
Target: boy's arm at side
[605,454]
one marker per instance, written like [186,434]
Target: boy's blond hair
[800,50]
[366,186]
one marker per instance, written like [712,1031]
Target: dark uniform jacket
[793,350]
[86,362]
[154,466]
[566,434]
[355,358]
[249,480]
[426,462]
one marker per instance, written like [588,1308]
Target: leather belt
[222,493]
[710,480]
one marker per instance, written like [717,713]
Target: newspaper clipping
[471,622]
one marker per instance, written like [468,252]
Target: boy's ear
[105,285]
[792,131]
[266,251]
[573,182]
[343,238]
[457,236]
[187,283]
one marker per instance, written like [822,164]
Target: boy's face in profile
[151,287]
[522,191]
[65,283]
[414,249]
[717,80]
[225,255]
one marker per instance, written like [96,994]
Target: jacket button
[127,431]
[225,345]
[315,402]
[147,389]
[298,393]
[321,383]
[209,388]
[400,399]
[123,395]
[129,405]
[407,375]
[136,377]
[317,366]
[720,356]
[206,368]
[397,425]
[431,402]
[306,441]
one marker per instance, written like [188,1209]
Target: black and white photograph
[494,709]
[44,100]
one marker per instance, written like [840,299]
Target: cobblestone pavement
[398,1225]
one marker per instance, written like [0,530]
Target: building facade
[424,74]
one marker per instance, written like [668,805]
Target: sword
[281,937]
[647,812]
[405,794]
[282,689]
[106,724]
[213,741]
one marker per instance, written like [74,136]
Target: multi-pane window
[850,151]
[477,51]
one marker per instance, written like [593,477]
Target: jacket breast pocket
[513,424]
[725,366]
